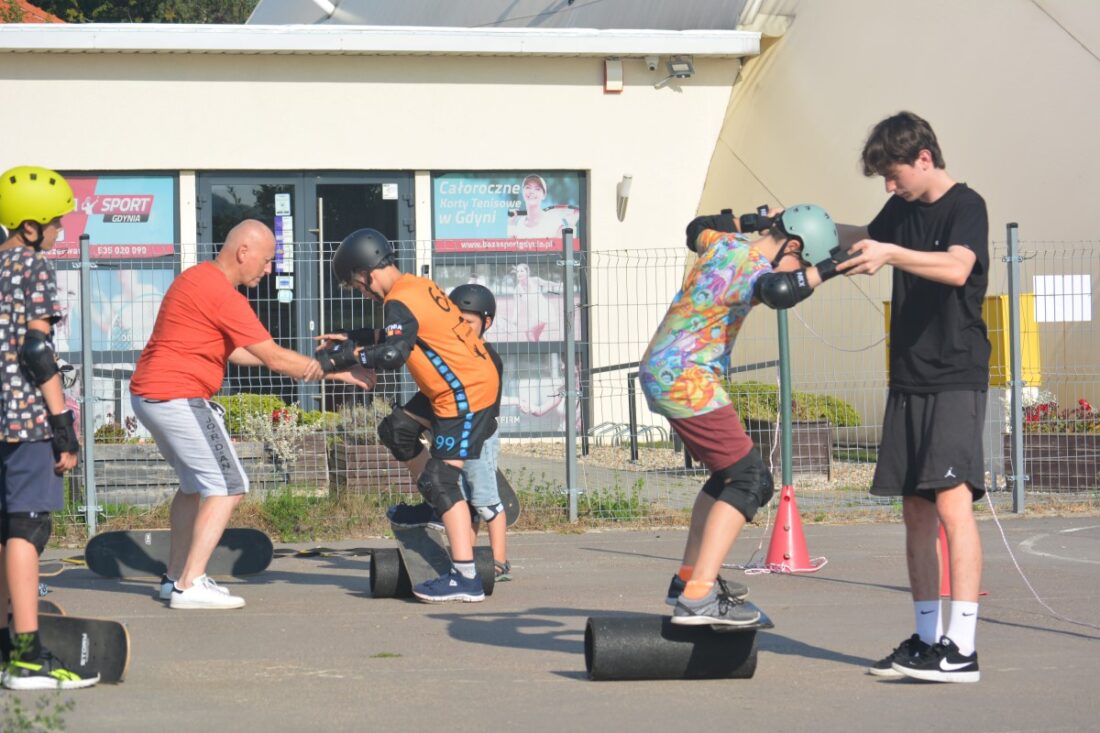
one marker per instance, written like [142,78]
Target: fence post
[786,422]
[632,414]
[87,375]
[1019,476]
[570,375]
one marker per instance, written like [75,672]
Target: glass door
[343,204]
[310,215]
[224,202]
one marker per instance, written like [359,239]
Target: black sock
[5,644]
[26,647]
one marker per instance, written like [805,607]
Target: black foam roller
[653,648]
[388,578]
[483,561]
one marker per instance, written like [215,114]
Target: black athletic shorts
[930,442]
[460,438]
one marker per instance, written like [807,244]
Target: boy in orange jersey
[424,330]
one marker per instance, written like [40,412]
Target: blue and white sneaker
[451,586]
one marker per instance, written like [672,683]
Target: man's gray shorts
[191,436]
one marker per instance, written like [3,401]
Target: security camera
[651,62]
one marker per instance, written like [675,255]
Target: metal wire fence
[319,439]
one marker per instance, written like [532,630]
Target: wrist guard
[63,427]
[338,358]
[723,222]
[826,269]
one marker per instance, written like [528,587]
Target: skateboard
[421,557]
[323,552]
[144,553]
[654,648]
[508,498]
[44,606]
[87,646]
[50,568]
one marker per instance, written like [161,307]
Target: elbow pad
[37,357]
[783,289]
[723,222]
[388,355]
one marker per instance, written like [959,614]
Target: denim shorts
[479,480]
[27,480]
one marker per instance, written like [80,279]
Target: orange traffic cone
[945,567]
[787,551]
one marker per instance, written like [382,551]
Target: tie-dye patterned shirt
[681,372]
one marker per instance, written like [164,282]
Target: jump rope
[755,566]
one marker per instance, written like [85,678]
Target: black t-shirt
[938,340]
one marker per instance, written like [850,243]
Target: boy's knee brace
[34,527]
[441,485]
[401,434]
[489,513]
[746,485]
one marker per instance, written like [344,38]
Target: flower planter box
[811,445]
[311,463]
[364,468]
[136,474]
[1059,462]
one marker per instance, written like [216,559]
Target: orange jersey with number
[448,362]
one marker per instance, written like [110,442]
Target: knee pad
[34,527]
[746,485]
[489,513]
[441,485]
[401,434]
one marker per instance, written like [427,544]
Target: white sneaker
[204,593]
[166,585]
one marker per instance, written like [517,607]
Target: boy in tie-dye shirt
[682,371]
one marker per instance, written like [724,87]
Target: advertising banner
[505,211]
[126,217]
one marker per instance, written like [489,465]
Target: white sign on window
[1062,298]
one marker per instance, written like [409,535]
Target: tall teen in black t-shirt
[934,232]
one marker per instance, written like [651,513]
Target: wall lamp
[622,195]
[679,67]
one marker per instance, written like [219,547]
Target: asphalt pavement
[312,651]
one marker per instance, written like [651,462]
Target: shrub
[1046,417]
[242,407]
[358,424]
[759,401]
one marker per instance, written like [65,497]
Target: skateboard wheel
[483,561]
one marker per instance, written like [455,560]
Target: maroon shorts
[716,438]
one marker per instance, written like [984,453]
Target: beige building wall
[1010,88]
[197,112]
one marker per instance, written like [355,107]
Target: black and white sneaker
[911,647]
[941,663]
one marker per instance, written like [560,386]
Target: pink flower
[1084,404]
